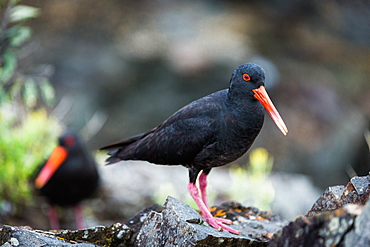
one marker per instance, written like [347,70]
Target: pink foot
[203,191]
[223,221]
[217,223]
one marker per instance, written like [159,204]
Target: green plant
[251,185]
[27,135]
[23,146]
[15,82]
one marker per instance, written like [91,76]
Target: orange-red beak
[261,94]
[57,157]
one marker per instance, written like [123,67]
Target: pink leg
[203,188]
[53,218]
[79,217]
[217,223]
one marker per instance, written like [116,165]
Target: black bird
[209,132]
[69,176]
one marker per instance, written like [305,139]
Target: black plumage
[70,175]
[209,132]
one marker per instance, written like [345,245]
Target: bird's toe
[218,223]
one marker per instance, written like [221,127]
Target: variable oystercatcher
[209,132]
[69,176]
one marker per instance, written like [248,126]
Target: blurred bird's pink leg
[79,217]
[53,218]
[217,223]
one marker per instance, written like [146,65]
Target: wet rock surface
[341,217]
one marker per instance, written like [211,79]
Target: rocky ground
[317,57]
[340,217]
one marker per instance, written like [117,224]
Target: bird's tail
[122,150]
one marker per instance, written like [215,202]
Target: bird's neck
[248,111]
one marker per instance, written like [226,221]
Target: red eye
[70,140]
[246,77]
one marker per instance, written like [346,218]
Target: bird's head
[69,141]
[67,144]
[248,80]
[246,77]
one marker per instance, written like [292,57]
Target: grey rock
[115,235]
[137,221]
[180,225]
[23,237]
[359,236]
[325,229]
[340,217]
[361,184]
[174,224]
[357,192]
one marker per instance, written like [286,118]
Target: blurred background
[112,69]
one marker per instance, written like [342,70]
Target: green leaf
[23,13]
[3,96]
[47,91]
[20,36]
[15,88]
[30,93]
[9,66]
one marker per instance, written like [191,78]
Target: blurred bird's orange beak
[262,96]
[57,157]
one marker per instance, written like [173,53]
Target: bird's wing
[176,141]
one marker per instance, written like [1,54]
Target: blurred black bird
[69,176]
[209,132]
